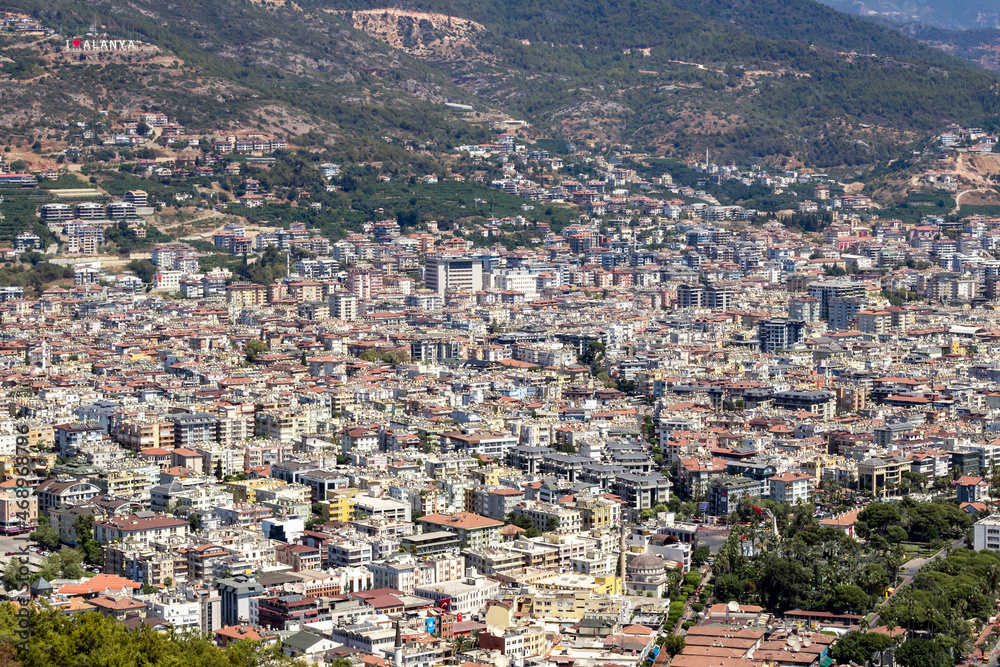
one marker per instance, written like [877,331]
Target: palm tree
[462,643]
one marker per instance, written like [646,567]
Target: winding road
[910,569]
[958,198]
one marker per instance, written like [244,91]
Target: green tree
[254,349]
[13,577]
[896,534]
[915,479]
[218,470]
[920,652]
[65,563]
[782,583]
[83,526]
[71,563]
[593,353]
[700,555]
[45,535]
[144,269]
[673,644]
[873,578]
[857,647]
[849,599]
[879,516]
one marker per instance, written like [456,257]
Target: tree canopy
[94,640]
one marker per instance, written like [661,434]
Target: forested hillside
[239,62]
[955,14]
[774,79]
[757,78]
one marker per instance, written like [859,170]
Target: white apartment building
[181,614]
[467,597]
[791,487]
[404,574]
[986,533]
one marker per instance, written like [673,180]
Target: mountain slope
[750,78]
[238,62]
[954,14]
[778,79]
[981,46]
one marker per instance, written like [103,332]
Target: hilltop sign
[102,45]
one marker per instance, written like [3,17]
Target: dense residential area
[655,435]
[357,337]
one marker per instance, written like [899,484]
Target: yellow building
[297,494]
[489,476]
[851,398]
[572,606]
[814,467]
[339,505]
[499,614]
[246,490]
[124,482]
[13,514]
[40,464]
[534,640]
[41,436]
[231,460]
[285,426]
[246,294]
[432,502]
[598,513]
[603,585]
[140,433]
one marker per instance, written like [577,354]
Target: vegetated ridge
[788,80]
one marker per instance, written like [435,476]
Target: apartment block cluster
[22,24]
[276,501]
[409,440]
[234,238]
[618,189]
[82,225]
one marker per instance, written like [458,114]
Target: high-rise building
[804,308]
[780,333]
[456,274]
[690,296]
[359,282]
[719,297]
[843,312]
[344,306]
[236,594]
[827,290]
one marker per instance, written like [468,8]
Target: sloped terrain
[954,14]
[233,62]
[749,79]
[771,79]
[981,46]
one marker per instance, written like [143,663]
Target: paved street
[910,569]
[713,538]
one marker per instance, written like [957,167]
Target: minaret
[397,651]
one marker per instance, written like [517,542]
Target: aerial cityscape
[651,334]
